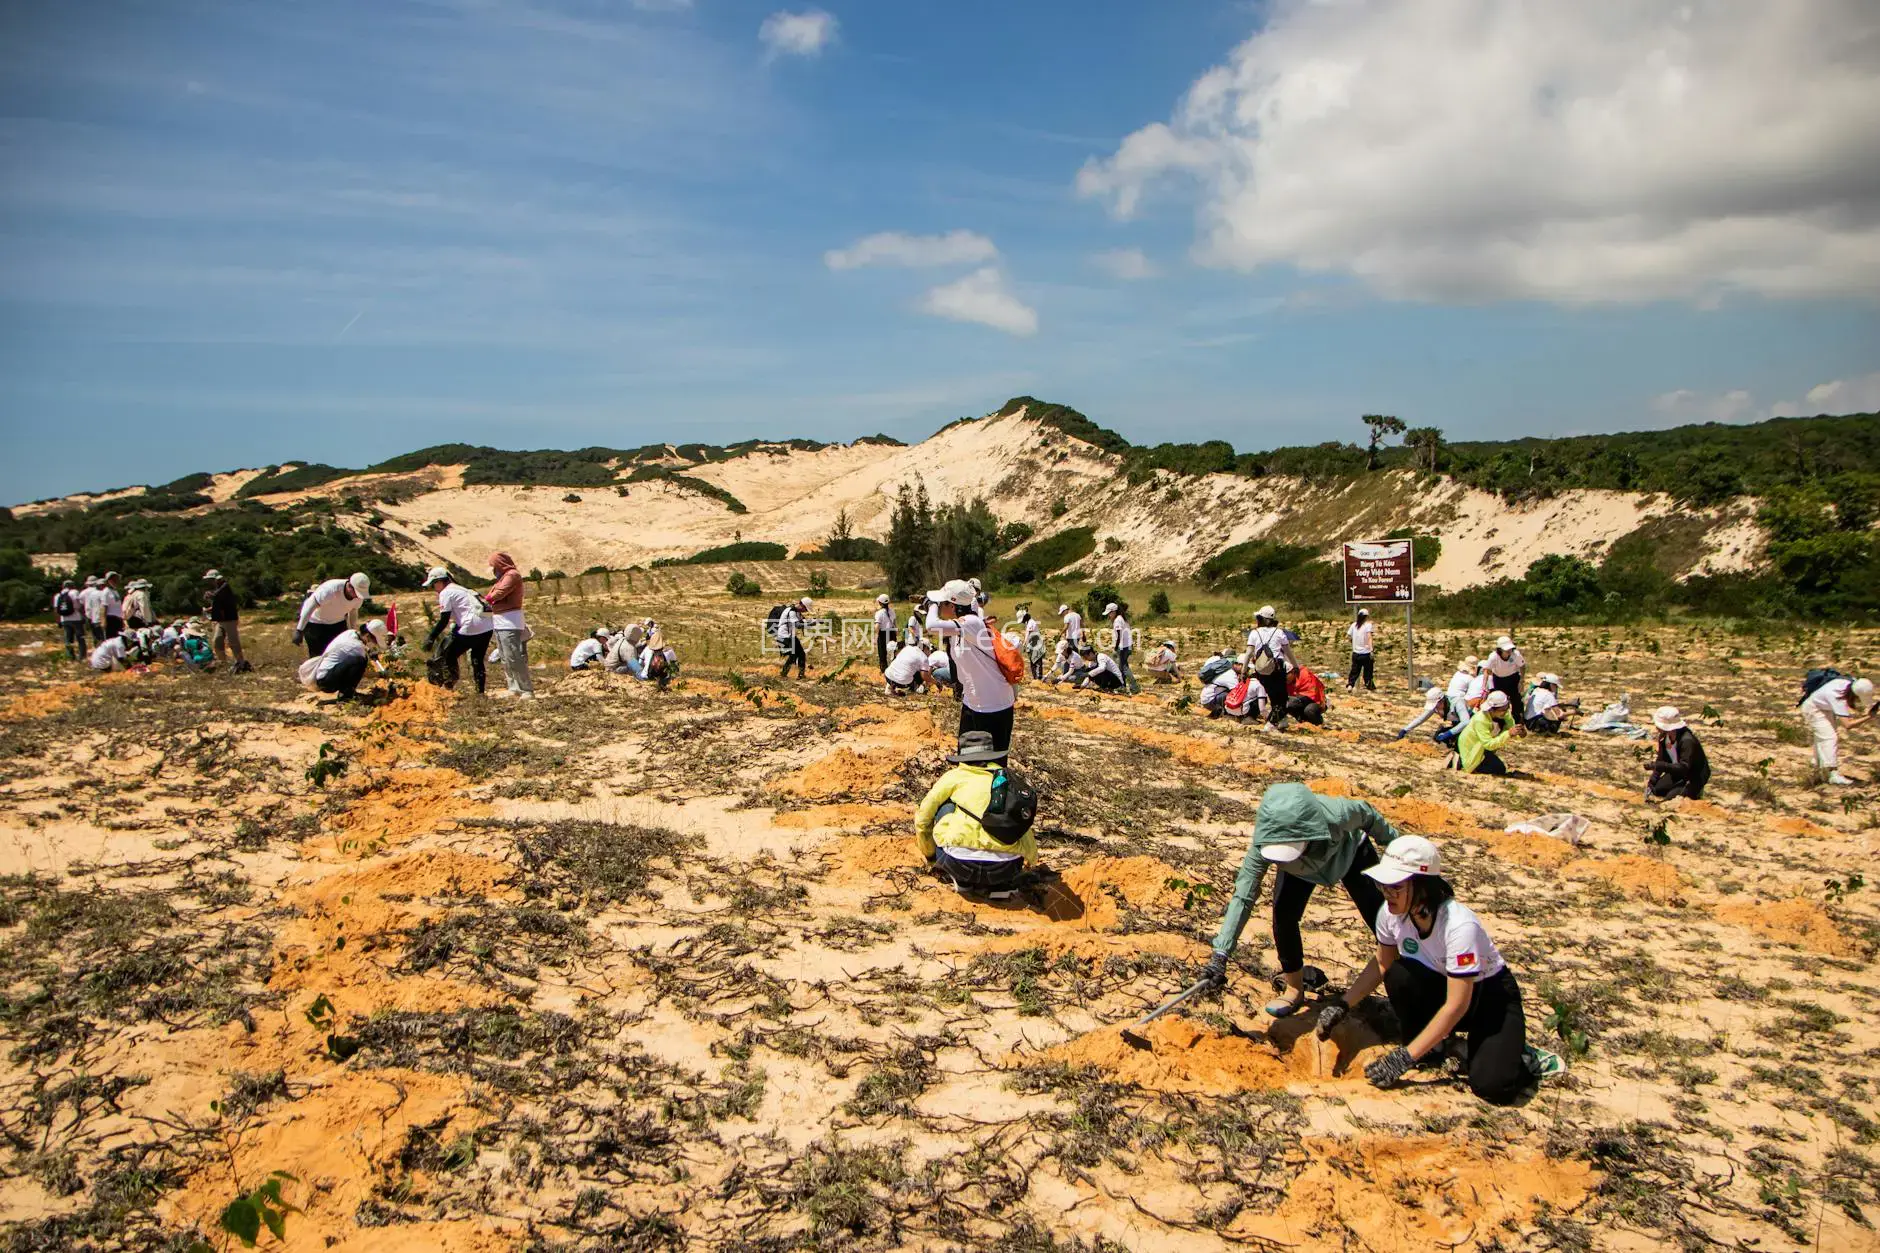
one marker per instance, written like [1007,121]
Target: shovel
[1180,998]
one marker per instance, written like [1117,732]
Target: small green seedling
[330,765]
[264,1207]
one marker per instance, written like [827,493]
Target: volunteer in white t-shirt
[1214,691]
[1545,710]
[113,654]
[1361,632]
[908,671]
[471,625]
[1443,974]
[587,655]
[884,631]
[1125,637]
[1105,671]
[343,664]
[1269,657]
[69,607]
[1458,690]
[327,610]
[1073,626]
[986,699]
[1439,705]
[1505,666]
[1837,698]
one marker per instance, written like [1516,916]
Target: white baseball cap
[1110,608]
[376,629]
[1433,697]
[882,599]
[1863,690]
[362,585]
[1504,643]
[1667,718]
[806,602]
[602,633]
[434,574]
[1551,678]
[1405,856]
[1282,852]
[1496,699]
[1470,664]
[1063,609]
[1266,611]
[977,587]
[956,592]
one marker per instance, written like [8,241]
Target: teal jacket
[1331,828]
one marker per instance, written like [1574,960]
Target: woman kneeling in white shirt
[1442,974]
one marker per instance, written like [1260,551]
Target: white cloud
[1685,405]
[1855,395]
[913,251]
[1125,263]
[982,297]
[1603,150]
[803,34]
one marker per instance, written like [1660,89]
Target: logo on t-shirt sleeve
[1465,960]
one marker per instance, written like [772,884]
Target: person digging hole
[1313,841]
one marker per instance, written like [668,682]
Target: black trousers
[1306,710]
[1541,724]
[1497,1032]
[882,640]
[998,724]
[1509,683]
[1275,685]
[983,876]
[1107,681]
[1289,906]
[344,677]
[1122,663]
[1490,764]
[74,629]
[1362,664]
[794,655]
[478,646]
[1665,788]
[319,634]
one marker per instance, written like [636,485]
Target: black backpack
[772,618]
[65,605]
[1817,679]
[1012,809]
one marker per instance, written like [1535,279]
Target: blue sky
[240,233]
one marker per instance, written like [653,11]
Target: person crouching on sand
[947,827]
[1443,975]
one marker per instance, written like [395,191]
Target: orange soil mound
[1702,809]
[422,705]
[845,771]
[57,698]
[1183,748]
[400,807]
[1640,878]
[1798,921]
[1408,1195]
[1540,851]
[859,857]
[846,817]
[1186,1057]
[1347,737]
[1331,786]
[1085,895]
[1420,748]
[344,1137]
[1429,817]
[1801,826]
[913,726]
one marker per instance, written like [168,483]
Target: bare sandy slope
[1165,527]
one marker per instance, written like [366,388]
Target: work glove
[1388,1069]
[1400,735]
[1215,972]
[1329,1018]
[298,636]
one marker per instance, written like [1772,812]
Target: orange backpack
[1011,661]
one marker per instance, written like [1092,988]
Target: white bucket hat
[1471,664]
[1405,856]
[1667,718]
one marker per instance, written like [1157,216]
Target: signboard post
[1384,572]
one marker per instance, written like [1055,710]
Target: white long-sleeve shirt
[789,622]
[345,644]
[110,655]
[588,650]
[1105,664]
[1125,637]
[983,688]
[1501,667]
[1834,699]
[327,604]
[907,666]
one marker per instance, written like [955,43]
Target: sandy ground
[1163,528]
[624,969]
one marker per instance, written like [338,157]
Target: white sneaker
[1841,779]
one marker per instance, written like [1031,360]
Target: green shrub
[1038,560]
[1158,604]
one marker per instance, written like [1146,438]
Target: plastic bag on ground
[1568,827]
[1613,717]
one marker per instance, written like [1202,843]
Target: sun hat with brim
[1551,678]
[434,574]
[1469,663]
[211,574]
[1495,700]
[1434,697]
[1282,852]
[956,592]
[975,746]
[1667,718]
[1404,857]
[1504,644]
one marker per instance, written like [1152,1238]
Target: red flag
[391,619]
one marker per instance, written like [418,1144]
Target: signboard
[1380,571]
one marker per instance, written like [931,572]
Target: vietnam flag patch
[1465,960]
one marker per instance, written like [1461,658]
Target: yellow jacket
[969,788]
[1484,734]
